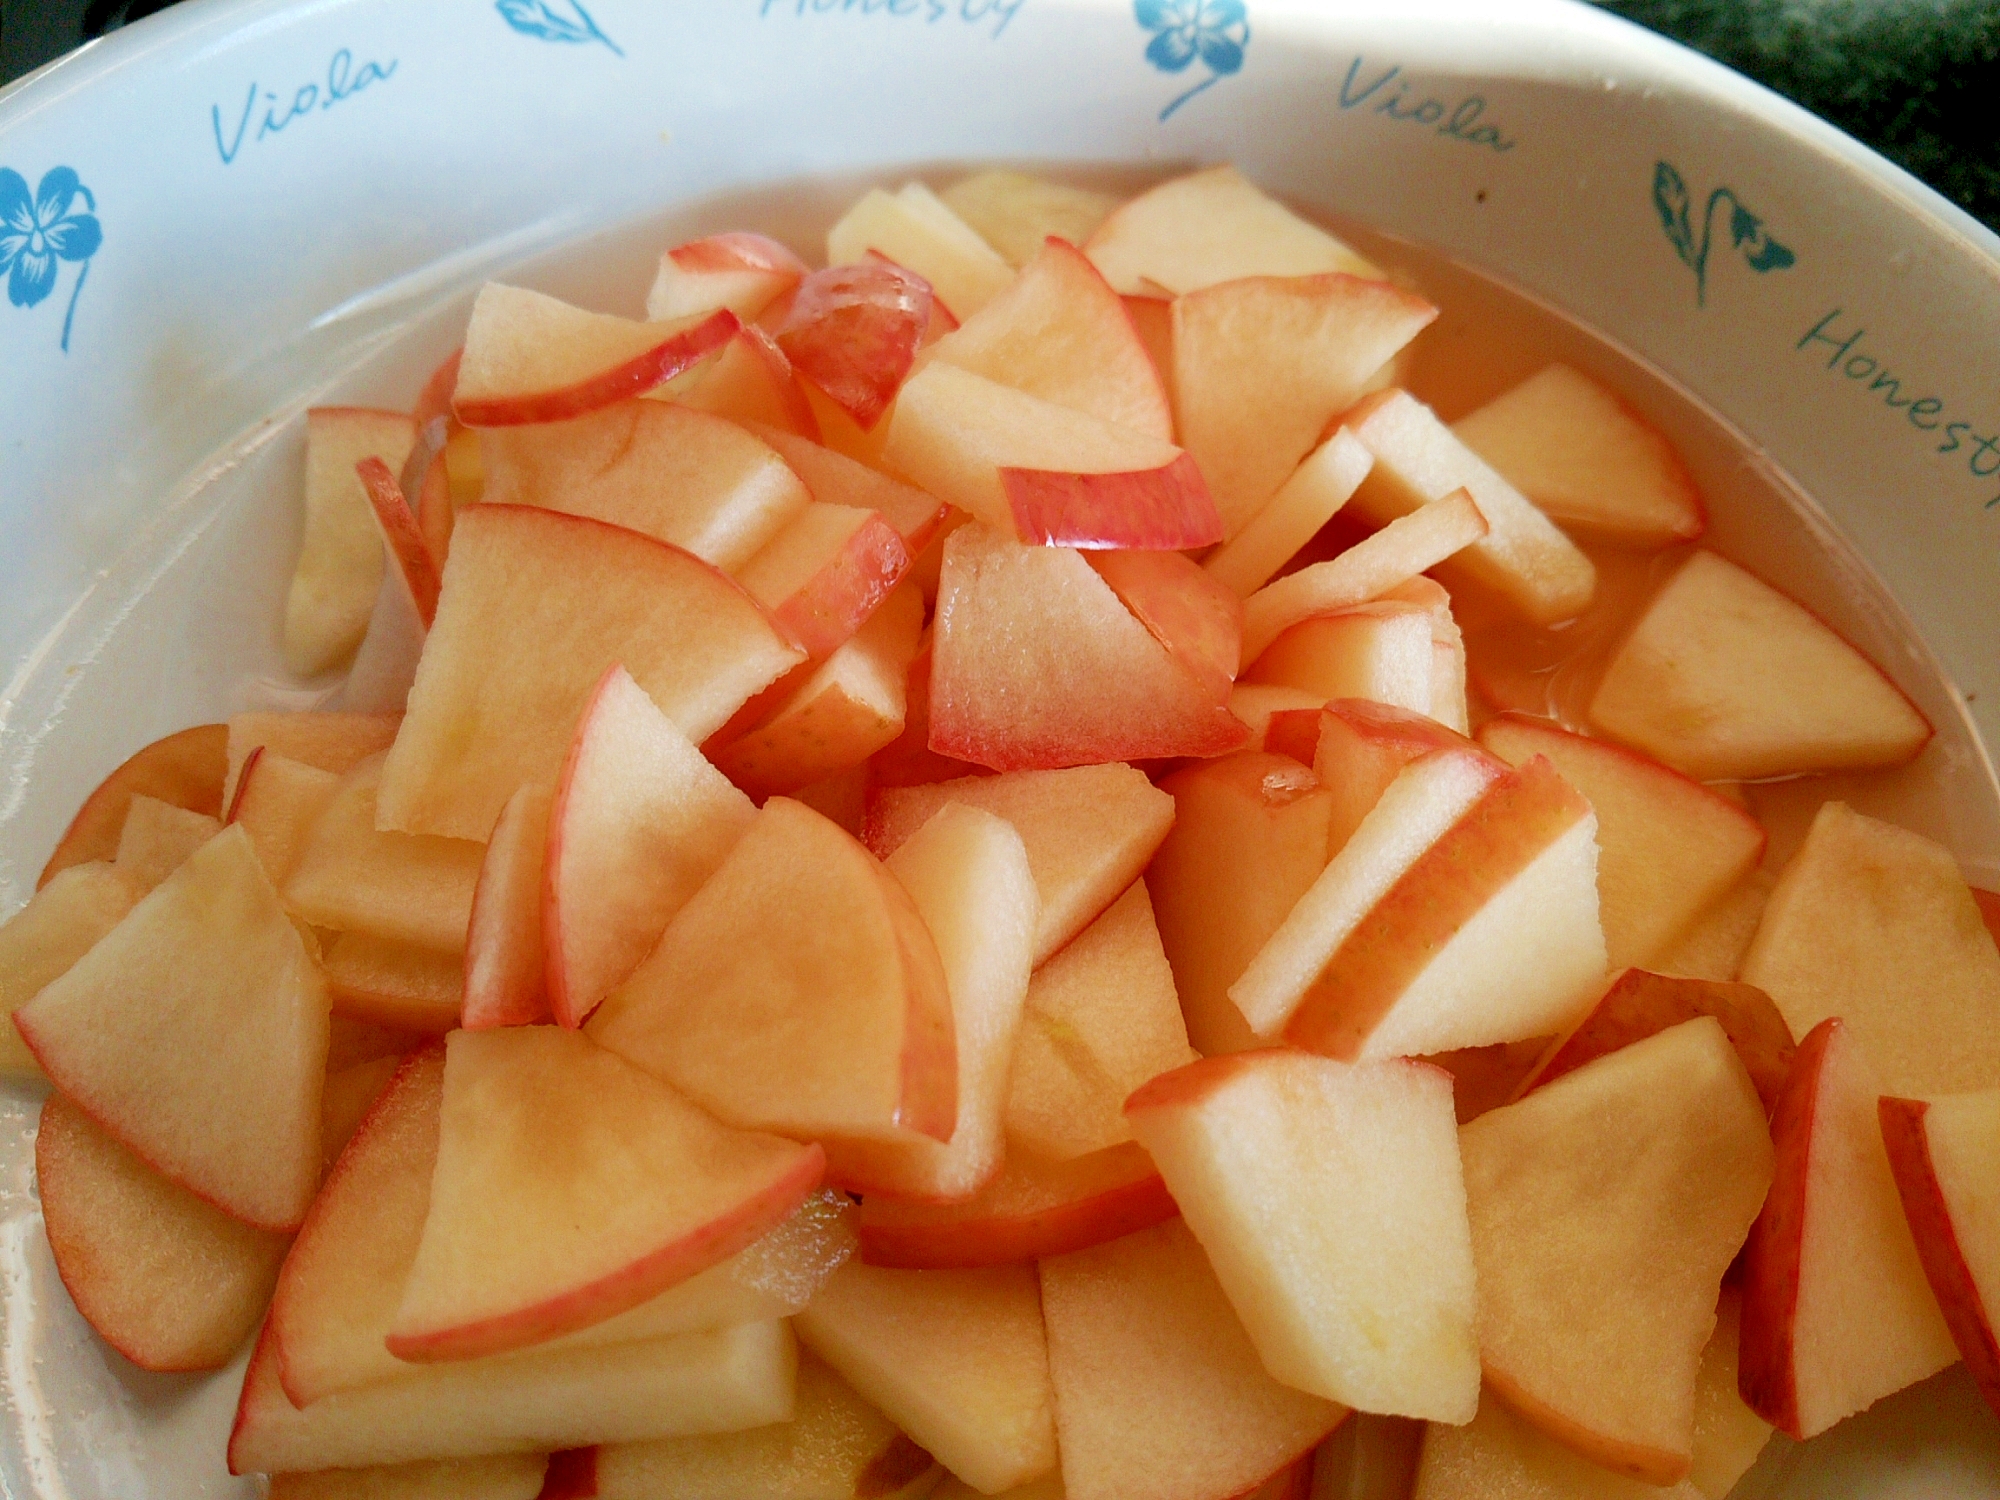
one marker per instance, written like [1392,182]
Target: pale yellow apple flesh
[277,802]
[394,984]
[1360,747]
[512,1476]
[40,942]
[1377,652]
[1499,1453]
[327,741]
[1014,212]
[915,229]
[506,975]
[340,559]
[157,839]
[1324,481]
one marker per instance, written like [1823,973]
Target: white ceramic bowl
[292,200]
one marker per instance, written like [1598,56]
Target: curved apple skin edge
[853,331]
[186,768]
[1907,1140]
[656,366]
[403,536]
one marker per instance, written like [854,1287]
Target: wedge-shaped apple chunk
[532,358]
[1360,748]
[1324,481]
[506,969]
[510,1476]
[1587,459]
[957,1359]
[745,273]
[1836,1309]
[1600,1250]
[1714,944]
[195,1033]
[537,606]
[685,477]
[836,479]
[1211,226]
[278,802]
[1088,830]
[1725,677]
[340,560]
[1252,824]
[40,942]
[1015,212]
[380,980]
[1102,1018]
[1160,1394]
[640,821]
[1874,924]
[170,1282]
[187,769]
[720,1380]
[1499,1453]
[1044,472]
[1525,558]
[1331,1204]
[826,573]
[1033,1208]
[1197,620]
[967,874]
[915,228]
[1061,333]
[798,992]
[1038,663]
[852,331]
[1264,363]
[1667,847]
[1945,1154]
[836,1447]
[645,1192]
[326,741]
[1377,652]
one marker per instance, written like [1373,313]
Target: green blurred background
[1919,80]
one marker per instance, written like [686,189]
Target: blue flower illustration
[542,20]
[1214,31]
[1672,201]
[39,231]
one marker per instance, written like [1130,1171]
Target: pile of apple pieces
[517,1051]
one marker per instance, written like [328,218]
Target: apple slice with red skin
[834,1024]
[537,605]
[914,227]
[340,561]
[169,1281]
[435,510]
[379,980]
[751,382]
[277,802]
[1377,652]
[908,760]
[826,573]
[1836,1309]
[350,1093]
[1194,617]
[532,358]
[852,331]
[507,1476]
[967,873]
[837,479]
[1033,1208]
[386,662]
[1088,830]
[1944,1154]
[1037,663]
[639,822]
[742,272]
[646,1192]
[1359,748]
[1060,332]
[186,769]
[506,980]
[1637,1004]
[335,742]
[64,920]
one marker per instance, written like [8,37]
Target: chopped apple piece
[852,331]
[351,876]
[1198,620]
[195,1032]
[1945,1154]
[1016,213]
[798,992]
[1724,677]
[915,228]
[1088,830]
[1524,558]
[1499,1453]
[531,358]
[1324,481]
[1060,333]
[967,874]
[745,273]
[537,605]
[1211,226]
[186,769]
[340,560]
[1836,1310]
[1330,1201]
[1369,569]
[1448,703]
[836,1447]
[40,942]
[1586,459]
[957,1359]
[720,1380]
[826,573]
[645,1192]
[1159,1392]
[349,1094]
[1359,748]
[1601,1251]
[1636,1005]
[836,479]
[385,664]
[1728,1435]
[1668,847]
[169,1281]
[1043,472]
[393,983]
[335,742]
[639,822]
[752,382]
[278,802]
[1038,663]
[1377,652]
[1714,944]
[1102,1018]
[1264,363]
[506,972]
[684,477]
[1874,924]
[509,1476]
[1033,1208]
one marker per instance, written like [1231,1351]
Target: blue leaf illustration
[1771,256]
[1743,225]
[541,19]
[1670,198]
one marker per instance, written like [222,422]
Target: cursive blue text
[967,12]
[266,113]
[1390,95]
